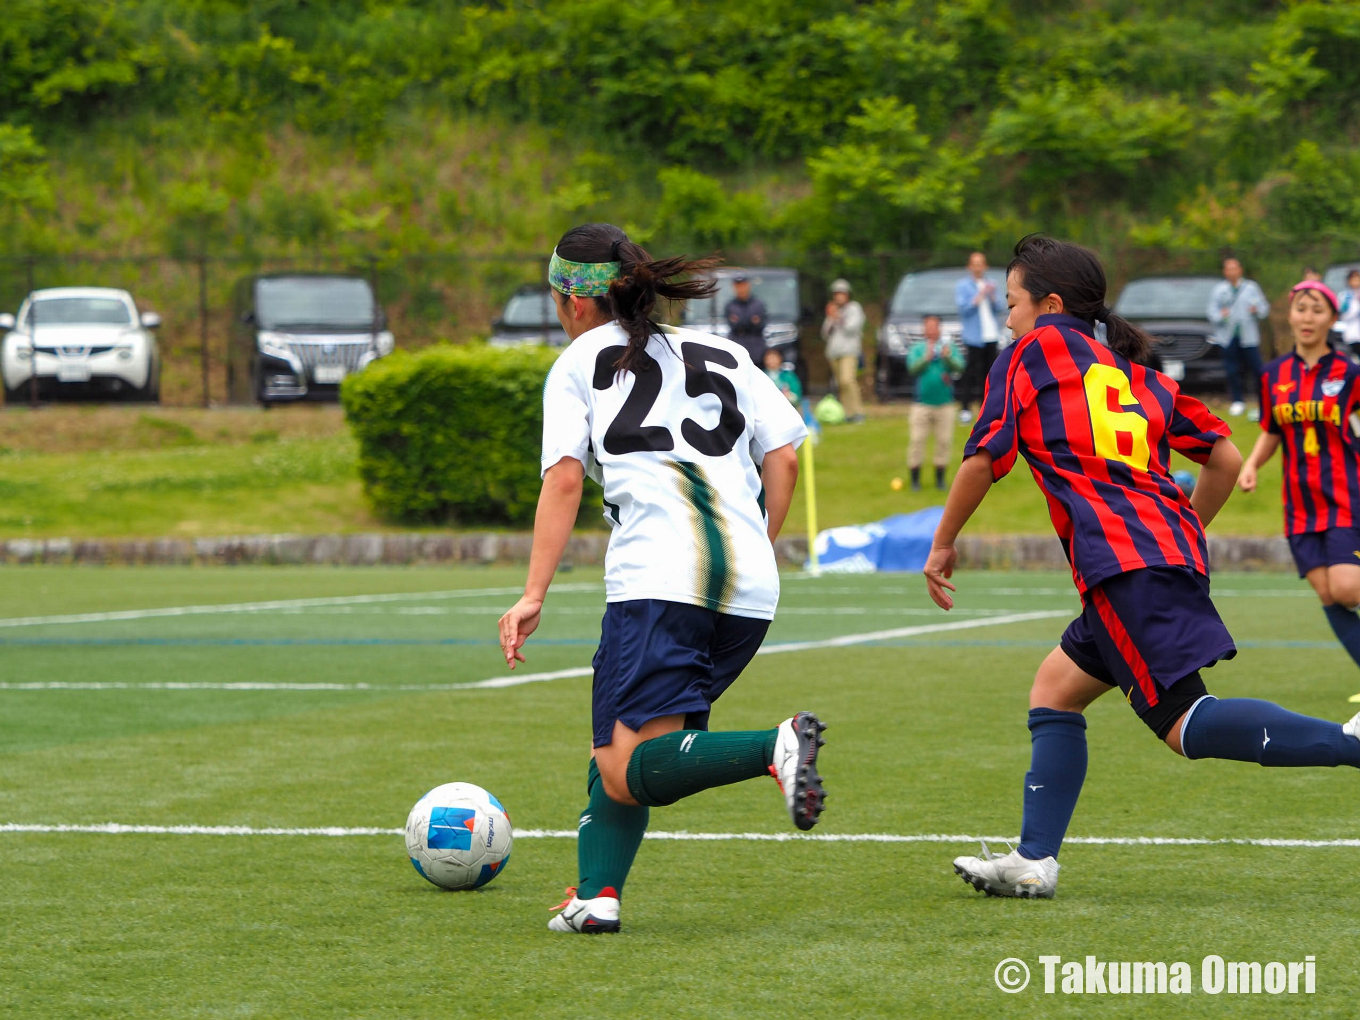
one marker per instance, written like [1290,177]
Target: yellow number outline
[1311,446]
[1109,425]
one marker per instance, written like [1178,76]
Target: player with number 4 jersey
[1309,400]
[1097,428]
[696,451]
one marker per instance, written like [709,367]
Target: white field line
[519,679]
[276,604]
[336,831]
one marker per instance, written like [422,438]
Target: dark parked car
[777,288]
[529,317]
[297,335]
[927,292]
[1174,309]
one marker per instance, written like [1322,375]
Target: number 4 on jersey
[1119,434]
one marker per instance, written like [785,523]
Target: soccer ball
[458,836]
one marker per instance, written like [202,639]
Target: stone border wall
[995,552]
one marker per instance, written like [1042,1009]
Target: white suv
[80,340]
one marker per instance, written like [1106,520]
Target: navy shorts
[1150,632]
[1328,548]
[666,658]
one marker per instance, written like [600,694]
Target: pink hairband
[1321,288]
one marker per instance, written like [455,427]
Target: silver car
[80,341]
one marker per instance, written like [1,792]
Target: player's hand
[939,568]
[1246,481]
[517,625]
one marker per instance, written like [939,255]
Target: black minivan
[295,336]
[1175,310]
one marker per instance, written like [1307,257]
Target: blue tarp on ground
[897,543]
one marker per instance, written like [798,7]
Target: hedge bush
[451,434]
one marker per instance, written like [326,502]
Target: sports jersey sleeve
[776,423]
[1268,422]
[996,429]
[566,414]
[1194,429]
[1350,419]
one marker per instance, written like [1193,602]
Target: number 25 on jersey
[1120,434]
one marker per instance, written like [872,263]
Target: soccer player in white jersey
[697,452]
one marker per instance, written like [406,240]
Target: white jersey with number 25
[677,447]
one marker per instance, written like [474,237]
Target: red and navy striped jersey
[1097,432]
[1310,409]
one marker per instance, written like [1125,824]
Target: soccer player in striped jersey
[1308,400]
[696,450]
[1097,428]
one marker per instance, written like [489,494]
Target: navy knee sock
[1056,771]
[1244,729]
[1346,623]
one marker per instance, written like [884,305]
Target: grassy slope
[127,472]
[926,737]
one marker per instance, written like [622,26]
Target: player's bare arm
[1216,480]
[1266,445]
[971,485]
[779,475]
[558,503]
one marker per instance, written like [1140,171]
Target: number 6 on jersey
[1119,434]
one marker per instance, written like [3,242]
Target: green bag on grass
[829,411]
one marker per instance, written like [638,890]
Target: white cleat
[795,768]
[1010,875]
[588,917]
[1236,408]
[1352,728]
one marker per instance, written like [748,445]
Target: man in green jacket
[933,363]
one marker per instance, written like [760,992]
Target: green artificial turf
[926,736]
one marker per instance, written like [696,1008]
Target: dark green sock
[664,769]
[609,835]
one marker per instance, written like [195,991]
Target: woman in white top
[1350,310]
[696,451]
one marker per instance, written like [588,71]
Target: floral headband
[1327,294]
[584,279]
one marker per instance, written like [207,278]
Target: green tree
[1068,142]
[889,185]
[25,188]
[699,213]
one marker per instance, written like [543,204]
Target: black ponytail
[642,279]
[1047,266]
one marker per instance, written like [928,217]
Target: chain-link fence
[457,296]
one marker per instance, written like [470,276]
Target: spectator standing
[1350,311]
[843,331]
[981,310]
[746,318]
[933,362]
[1236,306]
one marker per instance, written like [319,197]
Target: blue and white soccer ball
[458,836]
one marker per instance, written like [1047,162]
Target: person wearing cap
[1236,306]
[746,318]
[843,331]
[1309,399]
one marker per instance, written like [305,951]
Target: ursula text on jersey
[1310,410]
